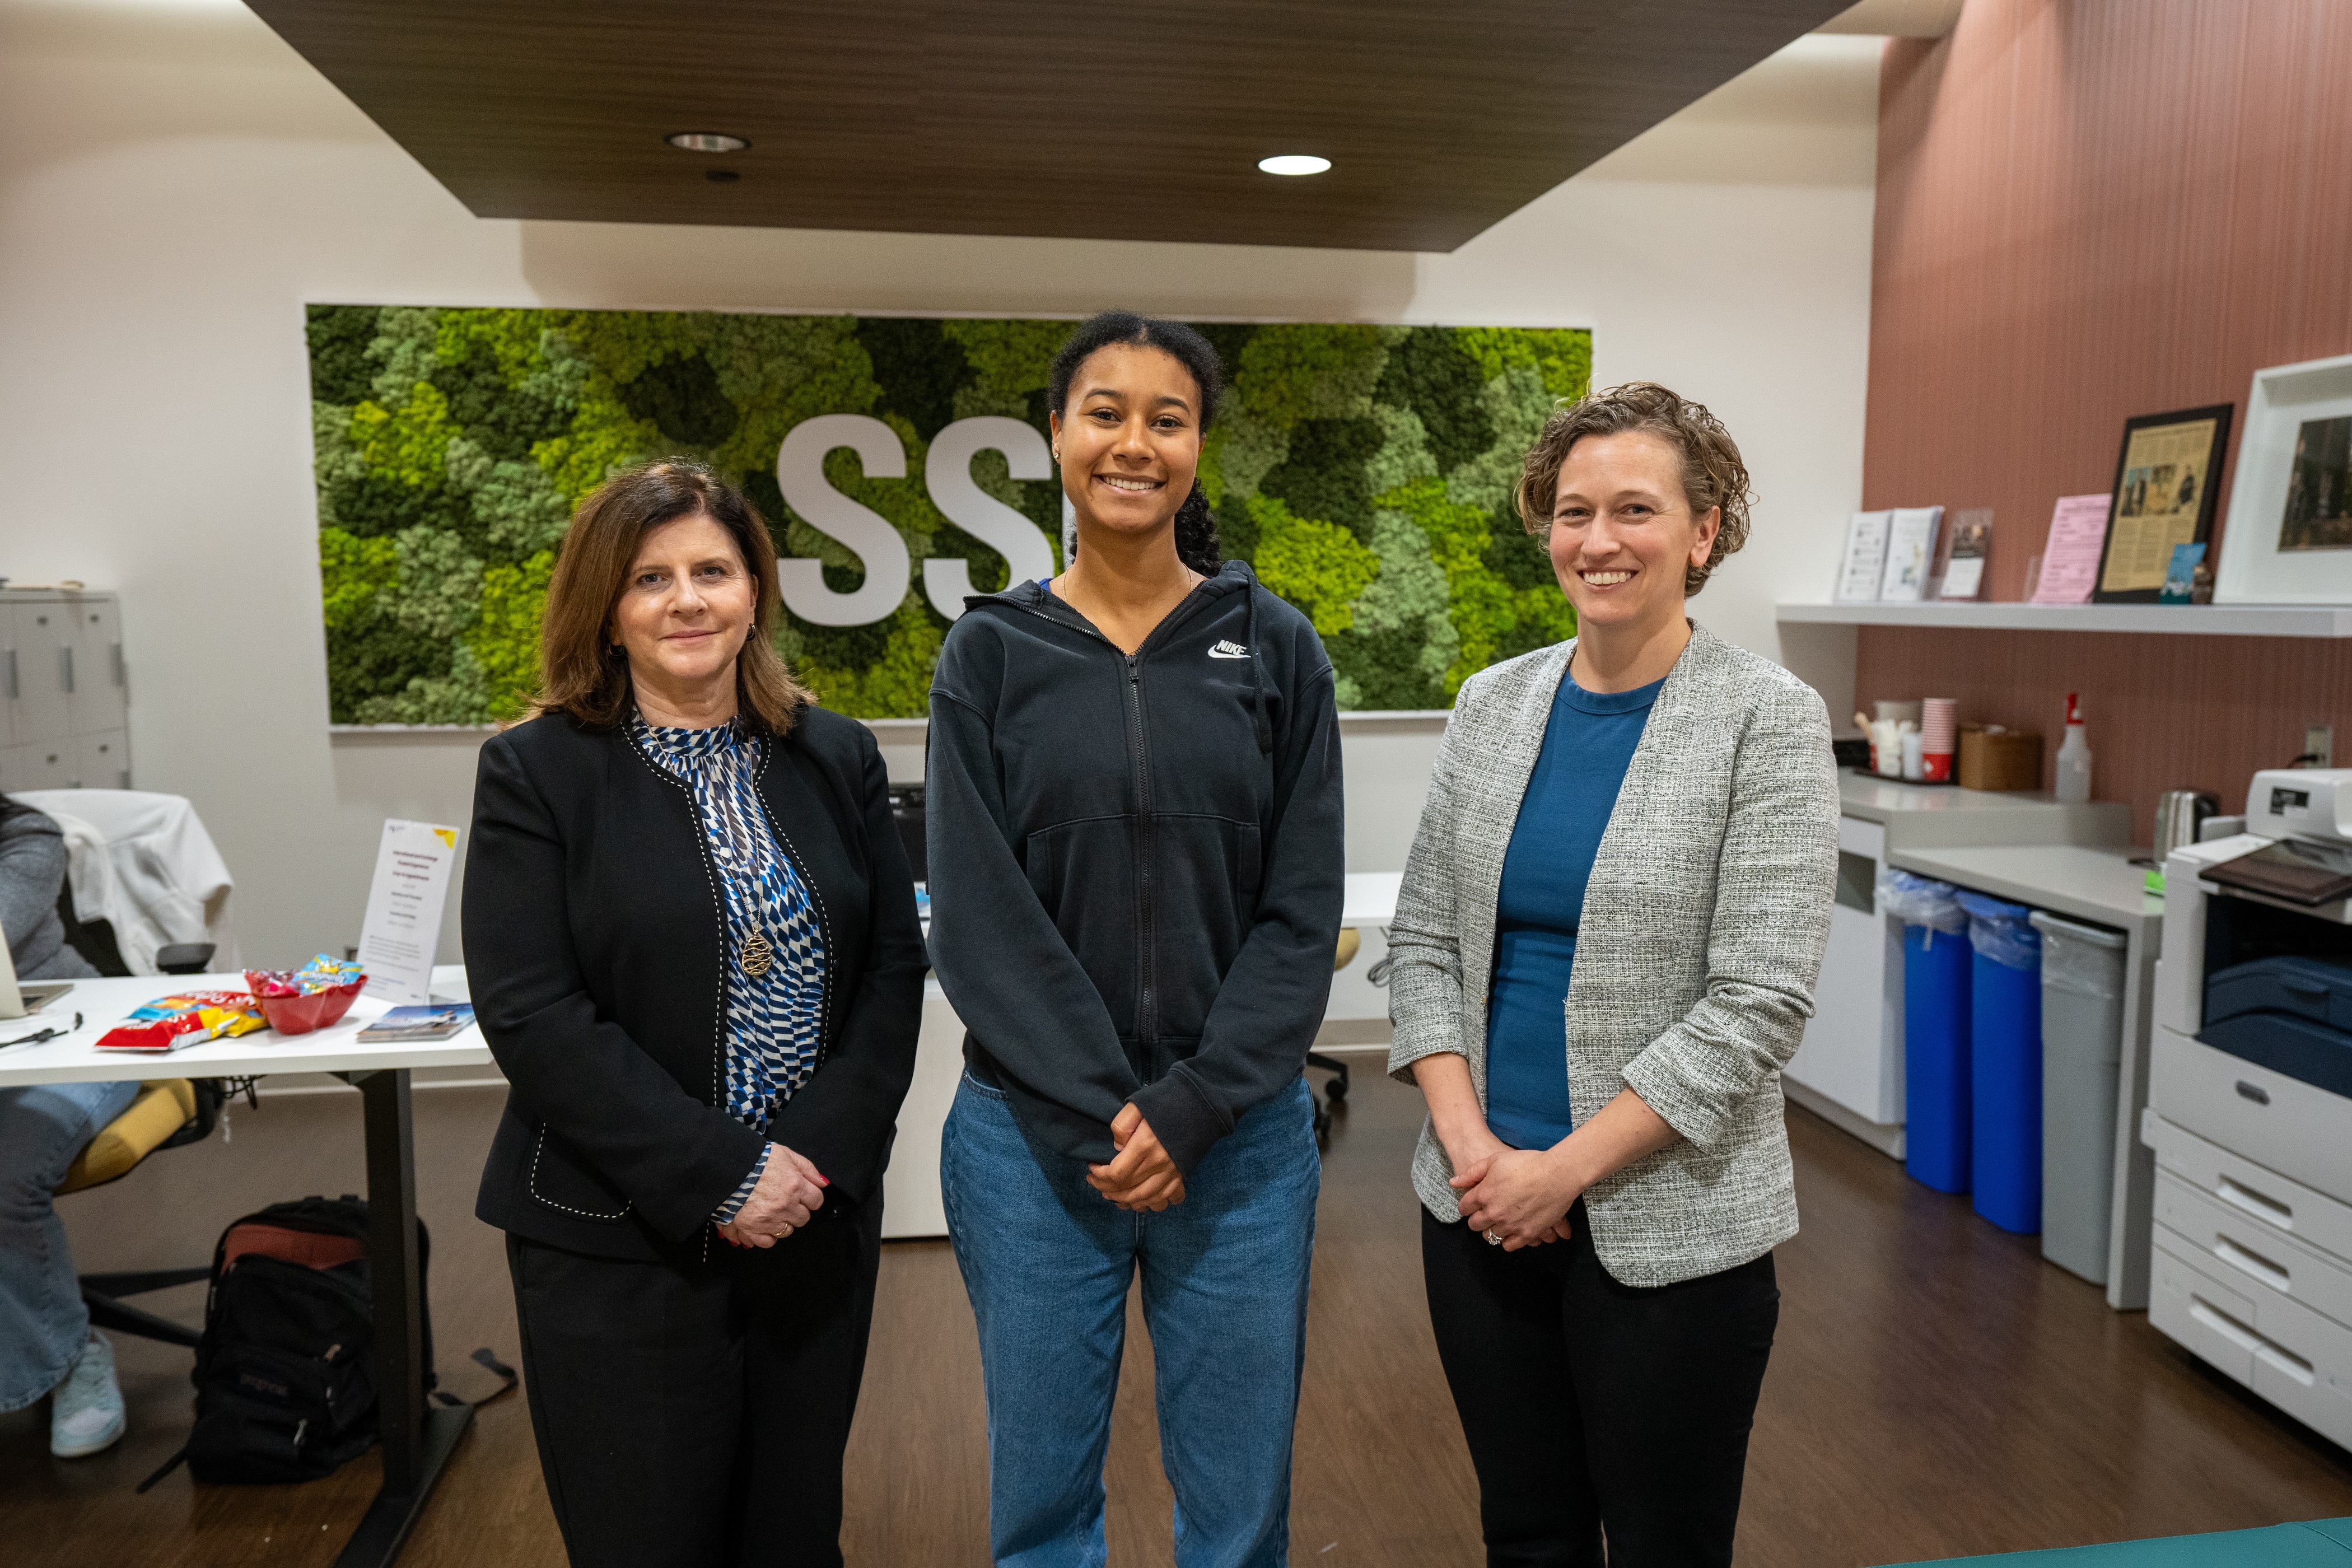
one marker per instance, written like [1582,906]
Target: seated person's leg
[46,1339]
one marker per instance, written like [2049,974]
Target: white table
[416,1441]
[1370,898]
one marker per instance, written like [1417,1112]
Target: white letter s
[948,472]
[800,475]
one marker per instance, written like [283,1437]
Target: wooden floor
[1936,1389]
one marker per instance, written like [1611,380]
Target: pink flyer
[2070,560]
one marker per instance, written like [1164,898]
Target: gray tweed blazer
[1701,937]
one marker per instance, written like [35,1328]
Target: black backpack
[285,1383]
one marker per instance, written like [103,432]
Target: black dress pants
[694,1413]
[1608,1422]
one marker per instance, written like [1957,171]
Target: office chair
[1335,1091]
[169,1113]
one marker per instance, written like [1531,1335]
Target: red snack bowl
[299,1015]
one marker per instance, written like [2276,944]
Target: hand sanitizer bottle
[2074,786]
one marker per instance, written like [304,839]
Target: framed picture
[2166,477]
[2289,539]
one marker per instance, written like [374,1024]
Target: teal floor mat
[2320,1544]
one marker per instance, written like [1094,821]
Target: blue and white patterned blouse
[775,1020]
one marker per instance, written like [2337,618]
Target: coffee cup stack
[1938,738]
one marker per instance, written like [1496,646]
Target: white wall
[175,183]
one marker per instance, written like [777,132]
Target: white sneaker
[85,1411]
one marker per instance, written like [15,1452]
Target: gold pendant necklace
[757,954]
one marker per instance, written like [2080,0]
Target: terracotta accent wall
[2087,210]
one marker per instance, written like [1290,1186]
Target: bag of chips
[173,1023]
[311,997]
[321,974]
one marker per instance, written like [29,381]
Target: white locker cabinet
[94,687]
[40,765]
[67,695]
[38,634]
[102,761]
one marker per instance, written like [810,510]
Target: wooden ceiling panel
[1046,119]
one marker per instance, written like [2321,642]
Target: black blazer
[595,949]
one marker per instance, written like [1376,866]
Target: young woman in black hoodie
[1136,871]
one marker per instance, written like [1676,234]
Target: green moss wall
[1364,471]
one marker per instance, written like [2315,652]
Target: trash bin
[2082,1052]
[2004,1063]
[1935,1026]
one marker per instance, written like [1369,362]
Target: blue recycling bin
[2005,1065]
[1936,980]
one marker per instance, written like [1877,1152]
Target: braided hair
[1196,528]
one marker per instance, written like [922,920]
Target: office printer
[2250,1100]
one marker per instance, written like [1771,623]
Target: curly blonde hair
[1713,474]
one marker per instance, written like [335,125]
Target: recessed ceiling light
[1294,163]
[706,141]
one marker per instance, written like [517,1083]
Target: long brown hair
[581,673]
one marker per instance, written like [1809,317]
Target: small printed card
[2180,576]
[1971,541]
[435,1021]
[1910,550]
[1865,557]
[2070,561]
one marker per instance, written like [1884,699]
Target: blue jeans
[1048,1261]
[43,1324]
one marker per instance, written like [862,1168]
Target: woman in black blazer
[691,938]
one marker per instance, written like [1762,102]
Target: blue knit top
[1588,745]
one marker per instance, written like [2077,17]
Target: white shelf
[2207,620]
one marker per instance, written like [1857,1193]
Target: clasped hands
[1522,1195]
[1144,1176]
[789,1190]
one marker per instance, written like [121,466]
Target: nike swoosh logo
[1217,653]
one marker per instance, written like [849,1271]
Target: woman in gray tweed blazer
[1603,954]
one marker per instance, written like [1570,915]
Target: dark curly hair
[1196,528]
[1714,475]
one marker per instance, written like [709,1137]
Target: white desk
[416,1441]
[103,1004]
[1370,898]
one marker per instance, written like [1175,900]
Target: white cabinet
[37,764]
[39,633]
[2246,1273]
[1853,1053]
[93,670]
[64,721]
[101,760]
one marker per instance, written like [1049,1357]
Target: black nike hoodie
[1137,862]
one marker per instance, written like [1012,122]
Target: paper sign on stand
[1910,547]
[2070,561]
[1865,557]
[404,909]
